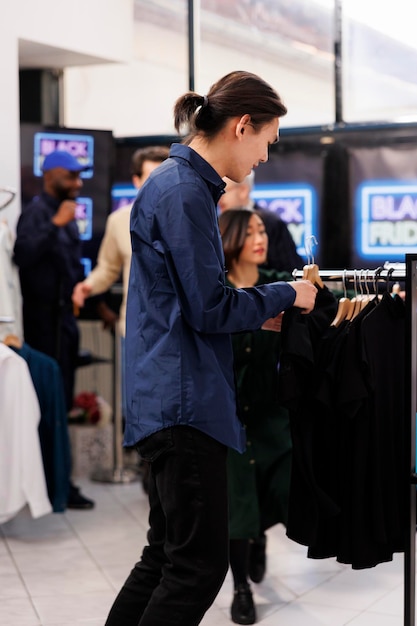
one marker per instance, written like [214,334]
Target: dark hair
[236,94]
[233,225]
[156,154]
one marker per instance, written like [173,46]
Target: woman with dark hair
[259,478]
[181,406]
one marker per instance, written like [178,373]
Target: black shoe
[257,559]
[243,608]
[77,501]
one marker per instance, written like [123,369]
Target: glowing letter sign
[84,217]
[122,194]
[80,146]
[386,219]
[295,204]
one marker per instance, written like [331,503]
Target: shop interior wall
[46,34]
[138,98]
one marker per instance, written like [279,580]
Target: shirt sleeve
[109,260]
[187,233]
[35,235]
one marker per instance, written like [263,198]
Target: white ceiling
[37,55]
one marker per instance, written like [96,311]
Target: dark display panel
[367,190]
[354,188]
[123,191]
[94,147]
[384,190]
[290,185]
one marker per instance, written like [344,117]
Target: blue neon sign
[295,204]
[80,146]
[386,219]
[123,194]
[84,218]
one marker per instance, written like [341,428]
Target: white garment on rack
[10,293]
[22,476]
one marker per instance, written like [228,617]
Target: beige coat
[113,258]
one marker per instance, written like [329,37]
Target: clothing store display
[10,296]
[243,608]
[344,388]
[53,427]
[22,478]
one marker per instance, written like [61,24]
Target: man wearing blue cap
[48,253]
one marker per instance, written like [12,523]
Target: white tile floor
[65,570]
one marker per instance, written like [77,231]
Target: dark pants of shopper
[55,333]
[183,567]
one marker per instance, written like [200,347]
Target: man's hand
[108,316]
[274,323]
[65,213]
[80,293]
[305,295]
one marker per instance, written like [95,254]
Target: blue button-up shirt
[180,313]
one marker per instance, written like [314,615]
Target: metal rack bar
[393,271]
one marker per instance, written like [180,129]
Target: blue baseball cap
[60,158]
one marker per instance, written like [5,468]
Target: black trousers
[183,567]
[55,334]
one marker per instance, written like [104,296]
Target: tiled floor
[65,570]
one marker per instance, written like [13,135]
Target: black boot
[243,608]
[257,559]
[76,500]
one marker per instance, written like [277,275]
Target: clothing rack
[389,271]
[398,272]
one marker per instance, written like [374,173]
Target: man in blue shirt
[181,412]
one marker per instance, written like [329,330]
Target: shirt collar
[214,182]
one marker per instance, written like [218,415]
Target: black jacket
[48,257]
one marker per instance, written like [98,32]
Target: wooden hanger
[357,299]
[311,273]
[344,311]
[345,306]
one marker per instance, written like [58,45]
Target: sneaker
[243,608]
[76,500]
[257,559]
